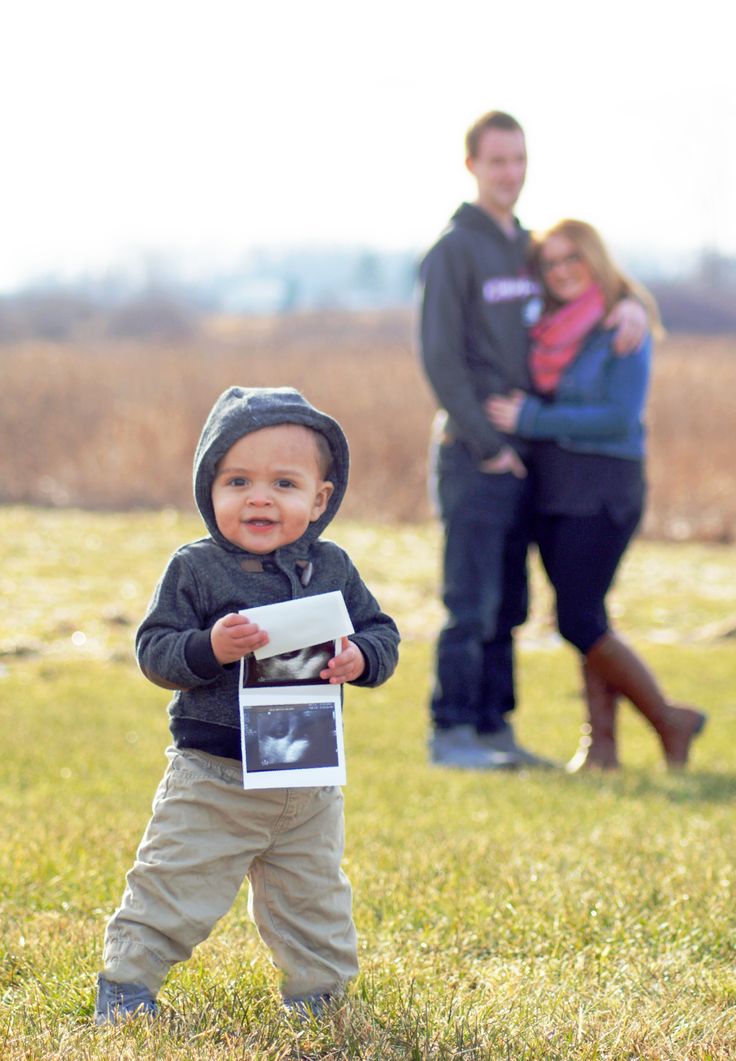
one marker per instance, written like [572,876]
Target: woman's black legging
[580,555]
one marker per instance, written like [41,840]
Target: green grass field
[529,915]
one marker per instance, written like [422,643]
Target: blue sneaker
[313,1007]
[116,1002]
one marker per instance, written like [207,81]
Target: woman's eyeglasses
[548,265]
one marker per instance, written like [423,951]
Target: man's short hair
[491,120]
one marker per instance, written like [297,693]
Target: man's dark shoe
[462,748]
[503,742]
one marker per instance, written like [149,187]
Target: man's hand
[346,667]
[506,460]
[504,412]
[235,636]
[629,318]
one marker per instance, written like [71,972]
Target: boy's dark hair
[490,120]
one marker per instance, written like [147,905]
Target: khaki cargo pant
[206,835]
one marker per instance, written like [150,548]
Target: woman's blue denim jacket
[599,403]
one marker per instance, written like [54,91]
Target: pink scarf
[558,336]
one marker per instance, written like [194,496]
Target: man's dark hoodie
[478,299]
[212,577]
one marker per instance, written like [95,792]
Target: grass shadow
[694,787]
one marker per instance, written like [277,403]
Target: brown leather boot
[675,724]
[597,748]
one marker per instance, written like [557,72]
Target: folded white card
[300,623]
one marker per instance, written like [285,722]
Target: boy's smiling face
[269,487]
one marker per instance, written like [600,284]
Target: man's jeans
[487,522]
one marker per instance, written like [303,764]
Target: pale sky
[206,128]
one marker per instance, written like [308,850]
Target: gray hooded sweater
[212,577]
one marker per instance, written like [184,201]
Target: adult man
[477,301]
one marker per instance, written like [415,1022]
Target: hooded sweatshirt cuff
[371,674]
[200,656]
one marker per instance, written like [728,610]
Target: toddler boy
[270,472]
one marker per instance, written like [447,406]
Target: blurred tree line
[164,307]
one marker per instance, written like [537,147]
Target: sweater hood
[470,216]
[239,411]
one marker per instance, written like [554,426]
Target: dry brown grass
[115,426]
[692,465]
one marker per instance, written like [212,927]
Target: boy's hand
[346,667]
[235,636]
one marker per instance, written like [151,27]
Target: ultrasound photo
[290,737]
[290,668]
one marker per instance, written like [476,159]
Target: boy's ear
[322,497]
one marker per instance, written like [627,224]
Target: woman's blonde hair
[614,283]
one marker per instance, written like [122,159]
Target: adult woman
[589,481]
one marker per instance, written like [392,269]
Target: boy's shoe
[313,1007]
[503,742]
[462,747]
[117,1002]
